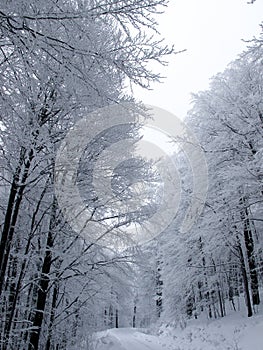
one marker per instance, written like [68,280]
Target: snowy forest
[61,60]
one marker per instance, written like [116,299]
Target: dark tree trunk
[15,198]
[11,289]
[134,317]
[8,217]
[159,291]
[245,281]
[220,299]
[249,243]
[52,316]
[16,288]
[111,316]
[105,317]
[117,318]
[207,293]
[43,284]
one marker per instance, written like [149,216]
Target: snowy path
[127,339]
[234,332]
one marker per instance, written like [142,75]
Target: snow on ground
[234,332]
[126,339]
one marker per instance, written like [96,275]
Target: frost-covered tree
[59,61]
[148,285]
[220,258]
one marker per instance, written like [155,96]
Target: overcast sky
[212,32]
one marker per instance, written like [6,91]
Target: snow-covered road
[236,331]
[127,339]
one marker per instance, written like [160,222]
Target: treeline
[219,262]
[60,60]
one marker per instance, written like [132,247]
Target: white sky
[212,32]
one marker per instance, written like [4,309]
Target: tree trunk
[11,288]
[117,318]
[15,198]
[16,288]
[159,291]
[43,284]
[245,281]
[220,299]
[52,317]
[134,317]
[249,243]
